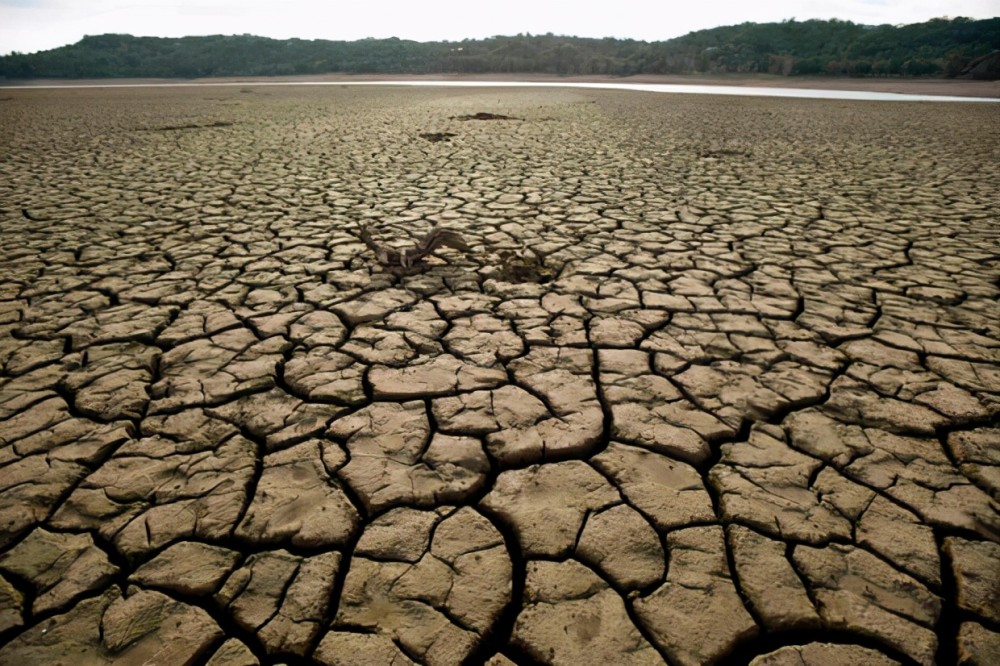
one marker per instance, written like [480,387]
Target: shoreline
[943,87]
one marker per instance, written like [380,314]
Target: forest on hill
[940,47]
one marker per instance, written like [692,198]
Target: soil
[707,379]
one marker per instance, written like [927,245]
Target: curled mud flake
[669,492]
[402,534]
[28,215]
[563,381]
[345,648]
[977,456]
[77,631]
[148,494]
[647,409]
[977,644]
[302,613]
[374,306]
[233,652]
[12,606]
[276,418]
[215,370]
[900,536]
[281,597]
[438,375]
[322,374]
[46,452]
[115,382]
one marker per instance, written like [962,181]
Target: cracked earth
[719,382]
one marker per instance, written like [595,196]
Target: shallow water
[745,91]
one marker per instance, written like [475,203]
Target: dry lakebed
[717,380]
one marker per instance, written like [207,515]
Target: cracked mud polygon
[718,383]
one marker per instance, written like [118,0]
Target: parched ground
[719,381]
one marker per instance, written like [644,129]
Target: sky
[27,26]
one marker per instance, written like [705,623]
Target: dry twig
[411,256]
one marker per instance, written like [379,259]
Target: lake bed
[716,378]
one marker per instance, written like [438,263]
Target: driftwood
[411,256]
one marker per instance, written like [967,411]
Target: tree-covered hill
[939,47]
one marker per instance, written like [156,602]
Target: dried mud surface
[719,383]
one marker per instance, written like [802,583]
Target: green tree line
[940,47]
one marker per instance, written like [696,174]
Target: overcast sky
[34,25]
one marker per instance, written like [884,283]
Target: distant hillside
[940,47]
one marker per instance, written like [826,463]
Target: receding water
[744,91]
